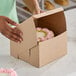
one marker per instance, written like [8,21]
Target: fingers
[8,27]
[17,31]
[38,11]
[14,30]
[12,33]
[15,36]
[11,21]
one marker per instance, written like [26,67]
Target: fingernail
[20,40]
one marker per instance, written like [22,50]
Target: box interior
[55,22]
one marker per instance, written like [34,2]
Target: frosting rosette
[44,34]
[7,72]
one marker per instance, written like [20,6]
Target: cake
[48,5]
[44,34]
[62,2]
[7,72]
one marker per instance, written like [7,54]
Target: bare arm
[13,34]
[33,5]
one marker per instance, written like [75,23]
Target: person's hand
[37,11]
[13,34]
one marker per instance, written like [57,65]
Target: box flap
[48,13]
[29,37]
[53,20]
[29,33]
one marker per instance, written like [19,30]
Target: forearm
[33,5]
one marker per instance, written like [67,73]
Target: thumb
[36,11]
[11,21]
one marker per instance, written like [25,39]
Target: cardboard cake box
[42,53]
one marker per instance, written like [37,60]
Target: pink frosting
[50,34]
[11,72]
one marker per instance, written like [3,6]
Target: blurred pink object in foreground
[44,34]
[7,72]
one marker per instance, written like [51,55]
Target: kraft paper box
[40,54]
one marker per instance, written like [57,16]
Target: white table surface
[62,67]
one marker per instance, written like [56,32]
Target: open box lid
[53,20]
[54,17]
[29,34]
